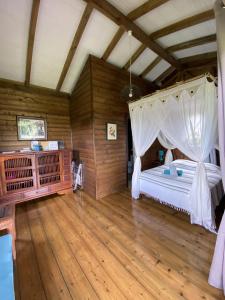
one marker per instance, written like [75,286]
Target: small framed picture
[111,132]
[31,128]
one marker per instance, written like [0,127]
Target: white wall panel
[96,37]
[14,31]
[56,25]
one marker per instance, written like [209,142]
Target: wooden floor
[74,247]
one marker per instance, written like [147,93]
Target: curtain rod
[207,75]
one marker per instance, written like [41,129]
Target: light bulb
[130,95]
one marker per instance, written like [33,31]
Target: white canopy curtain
[166,144]
[217,271]
[144,131]
[187,117]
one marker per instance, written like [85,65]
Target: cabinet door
[48,168]
[18,173]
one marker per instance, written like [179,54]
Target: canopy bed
[183,116]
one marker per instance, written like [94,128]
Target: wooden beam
[198,58]
[145,8]
[113,43]
[169,81]
[181,46]
[32,29]
[192,43]
[77,37]
[165,74]
[151,66]
[116,16]
[205,65]
[15,85]
[133,15]
[134,56]
[194,20]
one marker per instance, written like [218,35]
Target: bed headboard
[151,157]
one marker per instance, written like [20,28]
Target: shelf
[18,179]
[50,183]
[49,174]
[50,164]
[18,168]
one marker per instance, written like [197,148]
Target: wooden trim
[77,37]
[145,8]
[151,66]
[165,74]
[15,85]
[113,43]
[33,23]
[116,16]
[194,20]
[192,43]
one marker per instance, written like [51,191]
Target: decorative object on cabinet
[32,175]
[31,128]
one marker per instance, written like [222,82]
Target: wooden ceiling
[45,43]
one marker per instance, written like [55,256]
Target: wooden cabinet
[25,176]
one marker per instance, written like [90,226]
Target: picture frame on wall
[31,128]
[111,131]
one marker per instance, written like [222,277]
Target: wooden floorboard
[75,247]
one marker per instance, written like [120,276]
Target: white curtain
[144,131]
[190,123]
[187,117]
[166,144]
[217,271]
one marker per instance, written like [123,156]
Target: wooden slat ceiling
[45,43]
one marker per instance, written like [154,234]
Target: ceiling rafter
[203,65]
[32,29]
[180,46]
[116,16]
[133,15]
[165,74]
[198,58]
[192,43]
[190,21]
[151,66]
[113,43]
[145,8]
[199,61]
[77,37]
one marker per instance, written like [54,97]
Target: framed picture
[111,132]
[31,128]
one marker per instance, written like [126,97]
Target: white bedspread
[175,190]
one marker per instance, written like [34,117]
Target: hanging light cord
[131,90]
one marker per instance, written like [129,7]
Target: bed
[174,191]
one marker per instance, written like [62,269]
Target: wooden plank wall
[111,156]
[81,114]
[54,109]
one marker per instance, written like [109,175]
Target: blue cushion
[6,268]
[179,172]
[167,172]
